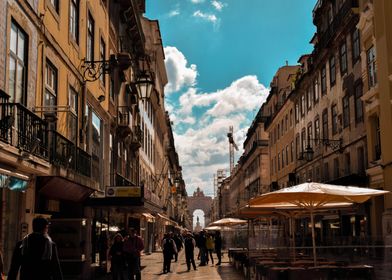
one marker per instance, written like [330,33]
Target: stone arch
[202,202]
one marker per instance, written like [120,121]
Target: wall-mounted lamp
[335,145]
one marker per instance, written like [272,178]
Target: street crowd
[35,256]
[206,242]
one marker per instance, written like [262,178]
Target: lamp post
[335,145]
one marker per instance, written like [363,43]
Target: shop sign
[123,191]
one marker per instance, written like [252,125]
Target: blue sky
[220,58]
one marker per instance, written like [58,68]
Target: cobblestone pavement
[152,266]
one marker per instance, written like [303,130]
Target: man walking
[178,240]
[169,249]
[35,257]
[218,246]
[190,244]
[133,245]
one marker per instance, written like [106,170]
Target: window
[310,132]
[74,20]
[278,131]
[323,80]
[371,66]
[291,117]
[309,98]
[317,128]
[325,124]
[361,160]
[286,123]
[303,139]
[356,46]
[282,158]
[347,164]
[376,137]
[50,98]
[334,114]
[343,58]
[358,102]
[55,4]
[297,144]
[90,38]
[73,115]
[17,64]
[332,70]
[326,172]
[303,105]
[346,111]
[292,151]
[316,90]
[102,56]
[336,172]
[296,112]
[287,154]
[278,161]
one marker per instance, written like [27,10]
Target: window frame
[334,119]
[346,110]
[358,92]
[51,86]
[19,60]
[356,46]
[324,120]
[324,80]
[332,71]
[74,5]
[90,37]
[371,66]
[343,58]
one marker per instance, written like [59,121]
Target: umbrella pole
[313,237]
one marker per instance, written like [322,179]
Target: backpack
[188,243]
[168,246]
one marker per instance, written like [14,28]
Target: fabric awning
[150,218]
[168,220]
[60,188]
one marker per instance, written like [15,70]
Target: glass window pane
[12,77]
[19,83]
[21,45]
[13,38]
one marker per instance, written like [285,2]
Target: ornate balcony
[23,129]
[124,122]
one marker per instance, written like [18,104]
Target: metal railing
[66,154]
[23,129]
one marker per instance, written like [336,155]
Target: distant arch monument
[202,202]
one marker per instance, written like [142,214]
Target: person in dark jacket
[117,256]
[169,249]
[218,246]
[178,240]
[133,246]
[35,257]
[190,245]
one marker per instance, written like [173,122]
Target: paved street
[152,269]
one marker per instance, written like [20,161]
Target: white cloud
[174,13]
[197,1]
[218,5]
[205,118]
[208,17]
[179,73]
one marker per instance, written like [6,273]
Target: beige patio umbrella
[215,228]
[228,222]
[314,196]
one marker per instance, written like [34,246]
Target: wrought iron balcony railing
[23,129]
[66,154]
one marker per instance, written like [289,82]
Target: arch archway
[202,202]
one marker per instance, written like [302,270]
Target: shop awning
[12,180]
[168,220]
[60,188]
[150,218]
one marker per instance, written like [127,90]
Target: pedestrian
[169,249]
[35,256]
[189,245]
[117,257]
[178,240]
[218,246]
[133,246]
[210,247]
[202,248]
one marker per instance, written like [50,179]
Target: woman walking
[116,254]
[210,247]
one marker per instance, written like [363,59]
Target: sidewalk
[152,269]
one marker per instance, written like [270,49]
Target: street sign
[123,191]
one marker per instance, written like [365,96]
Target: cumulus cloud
[208,17]
[205,118]
[218,5]
[179,73]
